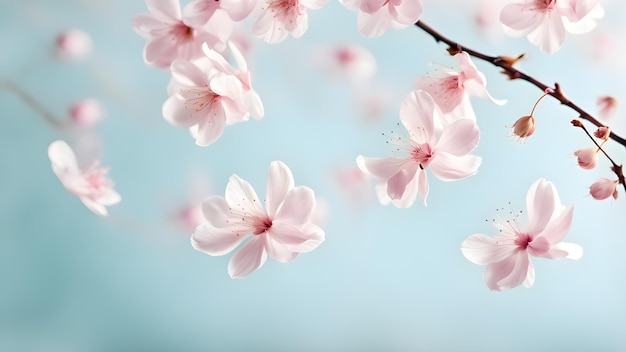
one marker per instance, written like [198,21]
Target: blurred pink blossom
[347,62]
[432,144]
[90,184]
[607,105]
[73,45]
[86,112]
[377,16]
[282,230]
[507,255]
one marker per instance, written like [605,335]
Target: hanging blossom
[432,144]
[377,16]
[169,37]
[507,255]
[544,22]
[451,89]
[282,230]
[278,18]
[200,12]
[90,184]
[604,188]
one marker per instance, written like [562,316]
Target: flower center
[197,98]
[262,225]
[544,5]
[522,240]
[422,153]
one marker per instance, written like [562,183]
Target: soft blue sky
[385,279]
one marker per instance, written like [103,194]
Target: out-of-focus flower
[377,16]
[347,62]
[544,22]
[607,105]
[603,189]
[90,184]
[442,148]
[451,89]
[73,45]
[86,112]
[587,158]
[280,17]
[282,230]
[507,255]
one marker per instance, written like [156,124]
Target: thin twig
[32,102]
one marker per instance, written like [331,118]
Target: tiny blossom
[73,45]
[377,16]
[86,112]
[278,18]
[507,255]
[170,38]
[524,127]
[90,184]
[544,22]
[602,132]
[283,230]
[603,189]
[587,158]
[347,62]
[451,89]
[190,217]
[606,106]
[432,144]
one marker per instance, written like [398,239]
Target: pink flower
[89,184]
[544,21]
[280,17]
[603,189]
[442,148]
[73,45]
[282,230]
[524,127]
[205,100]
[606,106]
[507,255]
[86,112]
[603,132]
[347,62]
[170,38]
[587,158]
[200,12]
[377,16]
[451,89]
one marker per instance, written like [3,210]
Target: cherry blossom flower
[281,231]
[170,37]
[278,18]
[200,12]
[89,184]
[524,127]
[603,189]
[544,22]
[250,97]
[607,105]
[203,100]
[432,144]
[587,158]
[377,16]
[86,112]
[73,45]
[603,132]
[507,255]
[451,89]
[347,62]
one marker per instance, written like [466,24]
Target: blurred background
[384,279]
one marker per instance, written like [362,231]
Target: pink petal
[519,18]
[540,203]
[216,211]
[530,276]
[423,186]
[188,74]
[412,189]
[226,85]
[198,13]
[550,34]
[165,9]
[175,112]
[375,24]
[396,185]
[564,250]
[248,258]
[278,251]
[218,60]
[407,12]
[381,168]
[62,158]
[279,182]
[459,138]
[215,241]
[160,52]
[241,197]
[508,273]
[315,237]
[538,246]
[298,206]
[449,167]
[557,228]
[94,206]
[211,128]
[289,234]
[238,10]
[417,113]
[481,249]
[144,24]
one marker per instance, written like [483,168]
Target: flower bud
[73,45]
[524,127]
[86,112]
[603,189]
[602,133]
[587,158]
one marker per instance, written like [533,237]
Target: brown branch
[513,73]
[32,102]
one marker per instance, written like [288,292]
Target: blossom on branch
[377,16]
[507,255]
[544,22]
[433,143]
[587,158]
[603,189]
[90,184]
[451,89]
[280,17]
[282,230]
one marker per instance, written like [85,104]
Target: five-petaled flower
[281,231]
[432,144]
[507,255]
[90,184]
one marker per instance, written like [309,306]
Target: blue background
[385,279]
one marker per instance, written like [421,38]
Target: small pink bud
[603,189]
[86,112]
[587,158]
[602,133]
[73,45]
[606,106]
[524,127]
